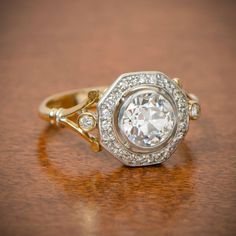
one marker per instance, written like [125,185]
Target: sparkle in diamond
[147,119]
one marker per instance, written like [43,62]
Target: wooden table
[51,182]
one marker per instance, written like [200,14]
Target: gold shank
[63,109]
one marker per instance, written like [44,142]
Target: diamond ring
[140,119]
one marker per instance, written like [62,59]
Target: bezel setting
[108,108]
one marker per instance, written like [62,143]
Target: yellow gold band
[64,109]
[69,101]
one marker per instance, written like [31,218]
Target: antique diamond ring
[140,119]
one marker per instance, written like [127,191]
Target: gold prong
[178,82]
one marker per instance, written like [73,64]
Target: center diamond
[147,118]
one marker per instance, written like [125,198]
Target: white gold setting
[167,113]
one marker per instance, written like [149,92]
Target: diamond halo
[168,118]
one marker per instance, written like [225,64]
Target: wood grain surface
[51,183]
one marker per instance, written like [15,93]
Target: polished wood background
[50,181]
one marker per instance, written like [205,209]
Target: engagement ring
[140,119]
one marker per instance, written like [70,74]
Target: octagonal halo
[146,119]
[159,94]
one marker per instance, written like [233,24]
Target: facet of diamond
[147,118]
[87,122]
[194,111]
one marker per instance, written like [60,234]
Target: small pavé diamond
[105,113]
[194,111]
[105,125]
[87,122]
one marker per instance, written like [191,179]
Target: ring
[140,119]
